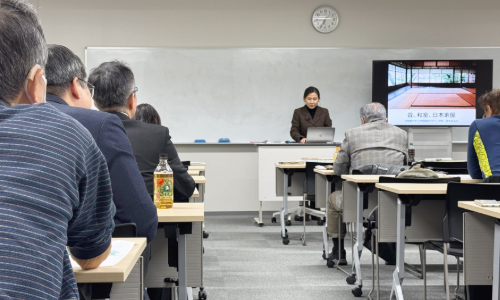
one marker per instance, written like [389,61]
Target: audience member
[54,182]
[147,113]
[374,142]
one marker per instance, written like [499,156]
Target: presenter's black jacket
[148,141]
[302,120]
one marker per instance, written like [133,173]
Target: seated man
[483,149]
[68,92]
[54,182]
[374,142]
[116,93]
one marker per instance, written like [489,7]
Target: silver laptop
[320,134]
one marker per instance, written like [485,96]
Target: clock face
[325,19]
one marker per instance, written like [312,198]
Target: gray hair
[114,83]
[373,112]
[61,68]
[22,45]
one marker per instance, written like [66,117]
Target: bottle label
[165,187]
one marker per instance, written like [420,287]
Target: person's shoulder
[88,114]
[143,126]
[323,109]
[299,110]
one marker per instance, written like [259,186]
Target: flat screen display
[431,92]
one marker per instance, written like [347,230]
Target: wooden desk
[324,172]
[194,172]
[291,166]
[197,168]
[187,234]
[196,194]
[199,179]
[494,213]
[375,178]
[124,286]
[182,212]
[117,273]
[406,189]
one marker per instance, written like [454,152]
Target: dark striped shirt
[54,192]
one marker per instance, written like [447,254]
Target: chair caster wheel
[286,241]
[205,235]
[296,218]
[357,292]
[330,264]
[261,225]
[273,220]
[321,222]
[351,279]
[202,295]
[288,223]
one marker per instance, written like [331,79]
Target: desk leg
[182,268]
[325,234]
[356,277]
[284,209]
[496,262]
[399,272]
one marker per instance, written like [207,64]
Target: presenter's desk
[481,265]
[186,217]
[126,274]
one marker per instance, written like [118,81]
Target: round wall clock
[325,19]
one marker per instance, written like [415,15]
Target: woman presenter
[309,115]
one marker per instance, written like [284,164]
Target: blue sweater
[483,150]
[54,192]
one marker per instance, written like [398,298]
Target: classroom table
[125,285]
[493,212]
[406,192]
[197,167]
[328,177]
[194,172]
[196,193]
[364,183]
[288,170]
[183,215]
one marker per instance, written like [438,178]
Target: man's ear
[37,87]
[131,105]
[385,120]
[362,121]
[75,89]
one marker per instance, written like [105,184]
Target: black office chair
[452,167]
[453,223]
[125,230]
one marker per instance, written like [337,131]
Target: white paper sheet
[119,249]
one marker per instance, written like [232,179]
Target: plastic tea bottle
[335,155]
[164,184]
[411,153]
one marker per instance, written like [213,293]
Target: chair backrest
[386,179]
[124,230]
[451,167]
[453,221]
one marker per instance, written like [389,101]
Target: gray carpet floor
[243,261]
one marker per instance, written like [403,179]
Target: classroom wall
[264,23]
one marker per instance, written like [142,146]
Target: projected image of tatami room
[432,84]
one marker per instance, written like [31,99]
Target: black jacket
[148,141]
[133,204]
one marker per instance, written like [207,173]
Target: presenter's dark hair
[310,90]
[491,99]
[147,113]
[114,84]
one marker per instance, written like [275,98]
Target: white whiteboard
[250,94]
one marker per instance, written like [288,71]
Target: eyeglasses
[91,87]
[134,91]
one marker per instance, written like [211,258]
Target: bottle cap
[411,144]
[163,155]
